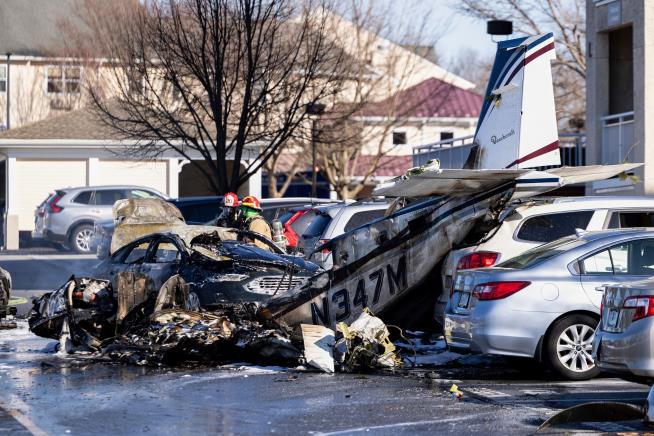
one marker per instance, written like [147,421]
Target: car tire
[80,238]
[568,347]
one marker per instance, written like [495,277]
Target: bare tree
[471,65]
[212,78]
[350,150]
[566,19]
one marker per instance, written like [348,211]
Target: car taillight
[41,212]
[497,290]
[644,306]
[54,208]
[478,259]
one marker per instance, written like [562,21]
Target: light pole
[315,109]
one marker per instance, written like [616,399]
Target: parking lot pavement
[245,399]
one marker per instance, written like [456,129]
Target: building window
[399,138]
[63,79]
[447,135]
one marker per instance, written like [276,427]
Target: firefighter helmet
[230,200]
[252,202]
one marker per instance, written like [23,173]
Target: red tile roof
[431,98]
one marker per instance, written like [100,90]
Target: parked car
[67,216]
[297,220]
[623,341]
[545,302]
[529,224]
[328,222]
[205,210]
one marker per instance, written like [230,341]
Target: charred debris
[86,316]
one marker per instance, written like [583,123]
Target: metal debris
[365,344]
[319,344]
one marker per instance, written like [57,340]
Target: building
[620,90]
[431,110]
[77,149]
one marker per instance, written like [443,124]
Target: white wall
[34,179]
[152,174]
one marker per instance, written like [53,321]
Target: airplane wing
[591,173]
[456,183]
[447,182]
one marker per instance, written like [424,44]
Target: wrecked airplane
[383,264]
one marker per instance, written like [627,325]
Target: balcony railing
[618,138]
[453,153]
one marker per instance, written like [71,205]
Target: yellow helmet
[252,202]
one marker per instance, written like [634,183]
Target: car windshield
[542,252]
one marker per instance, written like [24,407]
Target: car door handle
[601,288]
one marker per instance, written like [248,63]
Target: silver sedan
[624,338]
[545,302]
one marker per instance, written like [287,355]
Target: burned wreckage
[169,290]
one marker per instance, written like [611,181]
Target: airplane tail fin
[517,125]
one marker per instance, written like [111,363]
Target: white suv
[331,221]
[529,224]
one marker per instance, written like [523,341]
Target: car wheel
[569,345]
[80,238]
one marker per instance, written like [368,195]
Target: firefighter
[253,221]
[229,217]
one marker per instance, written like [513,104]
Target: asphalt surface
[47,393]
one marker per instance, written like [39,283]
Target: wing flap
[591,173]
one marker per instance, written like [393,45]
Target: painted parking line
[14,410]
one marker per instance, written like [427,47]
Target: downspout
[3,240]
[7,92]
